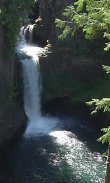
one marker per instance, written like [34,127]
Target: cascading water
[31,76]
[48,152]
[31,87]
[31,95]
[29,31]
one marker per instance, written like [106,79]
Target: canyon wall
[12,116]
[44,20]
[68,63]
[71,69]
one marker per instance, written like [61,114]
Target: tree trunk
[107,176]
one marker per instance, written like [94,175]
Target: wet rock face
[40,33]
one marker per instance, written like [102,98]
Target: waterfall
[31,77]
[29,57]
[66,151]
[28,32]
[31,88]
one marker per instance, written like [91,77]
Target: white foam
[41,126]
[37,124]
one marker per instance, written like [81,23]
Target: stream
[52,149]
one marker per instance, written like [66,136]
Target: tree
[104,104]
[12,15]
[93,18]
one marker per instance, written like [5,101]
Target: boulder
[40,33]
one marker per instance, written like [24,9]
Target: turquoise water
[60,155]
[52,150]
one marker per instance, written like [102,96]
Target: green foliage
[92,16]
[12,14]
[103,104]
[106,68]
[106,136]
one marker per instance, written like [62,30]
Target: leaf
[102,104]
[106,68]
[107,48]
[59,23]
[106,137]
[79,5]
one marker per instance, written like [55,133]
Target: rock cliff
[68,63]
[43,20]
[12,115]
[71,69]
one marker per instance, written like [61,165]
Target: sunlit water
[55,156]
[48,152]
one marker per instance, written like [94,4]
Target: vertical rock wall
[6,63]
[12,115]
[49,10]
